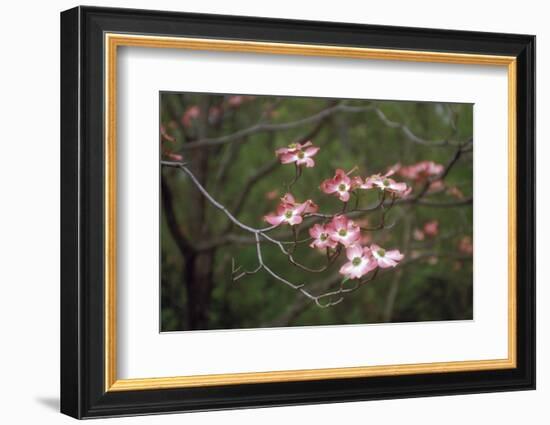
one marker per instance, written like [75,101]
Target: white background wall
[29,210]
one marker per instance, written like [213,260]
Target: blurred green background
[199,246]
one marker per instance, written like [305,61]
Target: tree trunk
[199,285]
[198,268]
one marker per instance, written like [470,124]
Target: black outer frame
[82,217]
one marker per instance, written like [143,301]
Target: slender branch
[267,169]
[408,133]
[267,127]
[300,305]
[260,173]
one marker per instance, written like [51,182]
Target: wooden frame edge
[114,40]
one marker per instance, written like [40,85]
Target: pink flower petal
[346,269]
[311,151]
[385,262]
[344,196]
[288,198]
[354,251]
[316,231]
[394,254]
[288,158]
[366,266]
[295,219]
[311,207]
[274,220]
[328,187]
[310,163]
[341,177]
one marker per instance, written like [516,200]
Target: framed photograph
[261,212]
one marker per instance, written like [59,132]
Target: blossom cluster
[430,229]
[215,112]
[419,171]
[339,232]
[342,185]
[362,259]
[168,150]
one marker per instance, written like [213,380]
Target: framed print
[261,212]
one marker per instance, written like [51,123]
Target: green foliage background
[429,288]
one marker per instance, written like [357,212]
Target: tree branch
[262,233]
[268,168]
[267,127]
[408,133]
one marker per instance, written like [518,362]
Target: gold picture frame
[113,41]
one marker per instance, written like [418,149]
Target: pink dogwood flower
[321,237]
[431,228]
[343,230]
[237,100]
[384,258]
[456,192]
[421,170]
[166,136]
[436,186]
[174,156]
[291,212]
[340,185]
[190,114]
[360,262]
[419,235]
[311,207]
[301,154]
[385,183]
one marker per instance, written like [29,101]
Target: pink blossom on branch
[311,207]
[340,185]
[190,114]
[456,192]
[360,262]
[385,183]
[301,154]
[271,195]
[174,156]
[421,170]
[343,230]
[237,100]
[321,237]
[431,228]
[436,186]
[166,136]
[291,212]
[385,259]
[419,235]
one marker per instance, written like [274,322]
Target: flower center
[342,187]
[381,252]
[342,232]
[386,182]
[288,214]
[323,237]
[301,155]
[356,261]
